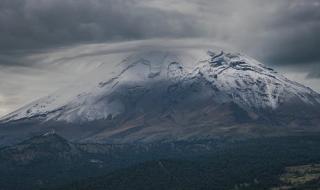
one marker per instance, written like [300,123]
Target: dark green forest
[54,163]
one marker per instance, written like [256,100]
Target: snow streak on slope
[228,77]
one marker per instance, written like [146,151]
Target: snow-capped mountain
[180,93]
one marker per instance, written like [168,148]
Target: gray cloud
[276,32]
[293,37]
[29,24]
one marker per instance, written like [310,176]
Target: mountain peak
[163,87]
[235,77]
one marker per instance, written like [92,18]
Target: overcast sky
[33,33]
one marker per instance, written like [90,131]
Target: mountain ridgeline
[177,94]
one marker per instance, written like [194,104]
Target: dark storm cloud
[41,23]
[294,34]
[276,32]
[293,39]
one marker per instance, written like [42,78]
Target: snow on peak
[107,92]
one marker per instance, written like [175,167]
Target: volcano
[171,94]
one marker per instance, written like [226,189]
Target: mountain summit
[172,95]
